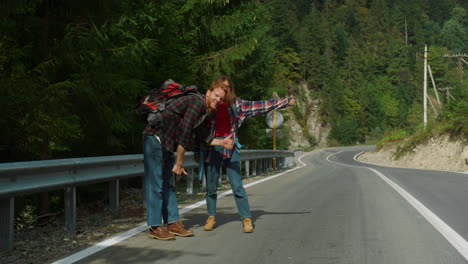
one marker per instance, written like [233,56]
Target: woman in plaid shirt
[229,117]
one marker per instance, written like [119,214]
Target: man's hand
[178,170]
[228,143]
[292,101]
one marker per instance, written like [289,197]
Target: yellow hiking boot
[210,223]
[248,227]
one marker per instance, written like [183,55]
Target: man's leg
[170,205]
[153,160]
[152,153]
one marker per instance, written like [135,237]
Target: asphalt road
[333,210]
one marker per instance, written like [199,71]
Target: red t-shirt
[223,124]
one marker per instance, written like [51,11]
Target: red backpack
[151,106]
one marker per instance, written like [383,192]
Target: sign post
[274,120]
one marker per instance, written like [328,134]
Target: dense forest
[71,72]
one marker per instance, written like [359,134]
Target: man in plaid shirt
[229,117]
[182,116]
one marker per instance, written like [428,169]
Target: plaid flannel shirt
[181,118]
[244,109]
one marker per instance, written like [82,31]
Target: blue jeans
[160,193]
[233,168]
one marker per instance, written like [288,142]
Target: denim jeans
[233,170]
[159,181]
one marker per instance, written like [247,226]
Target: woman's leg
[233,169]
[212,177]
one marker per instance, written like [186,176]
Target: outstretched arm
[253,108]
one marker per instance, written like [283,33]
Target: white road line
[116,239]
[451,235]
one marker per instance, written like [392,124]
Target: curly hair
[226,84]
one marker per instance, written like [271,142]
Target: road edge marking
[457,241]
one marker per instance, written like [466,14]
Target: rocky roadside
[437,154]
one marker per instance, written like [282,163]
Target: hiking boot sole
[181,235]
[162,238]
[209,229]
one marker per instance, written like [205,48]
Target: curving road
[333,210]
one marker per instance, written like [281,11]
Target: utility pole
[460,59]
[433,84]
[406,33]
[275,96]
[447,93]
[425,87]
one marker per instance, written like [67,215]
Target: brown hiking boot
[178,229]
[248,228]
[159,232]
[210,223]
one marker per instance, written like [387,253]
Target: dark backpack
[151,106]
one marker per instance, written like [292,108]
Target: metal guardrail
[22,178]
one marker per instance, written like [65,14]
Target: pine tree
[454,32]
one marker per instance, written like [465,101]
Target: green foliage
[375,135]
[455,112]
[394,136]
[454,32]
[346,131]
[26,217]
[71,72]
[390,109]
[287,68]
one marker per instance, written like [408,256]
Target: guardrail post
[254,167]
[114,201]
[143,188]
[190,182]
[247,168]
[220,180]
[240,165]
[70,208]
[280,163]
[7,215]
[203,179]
